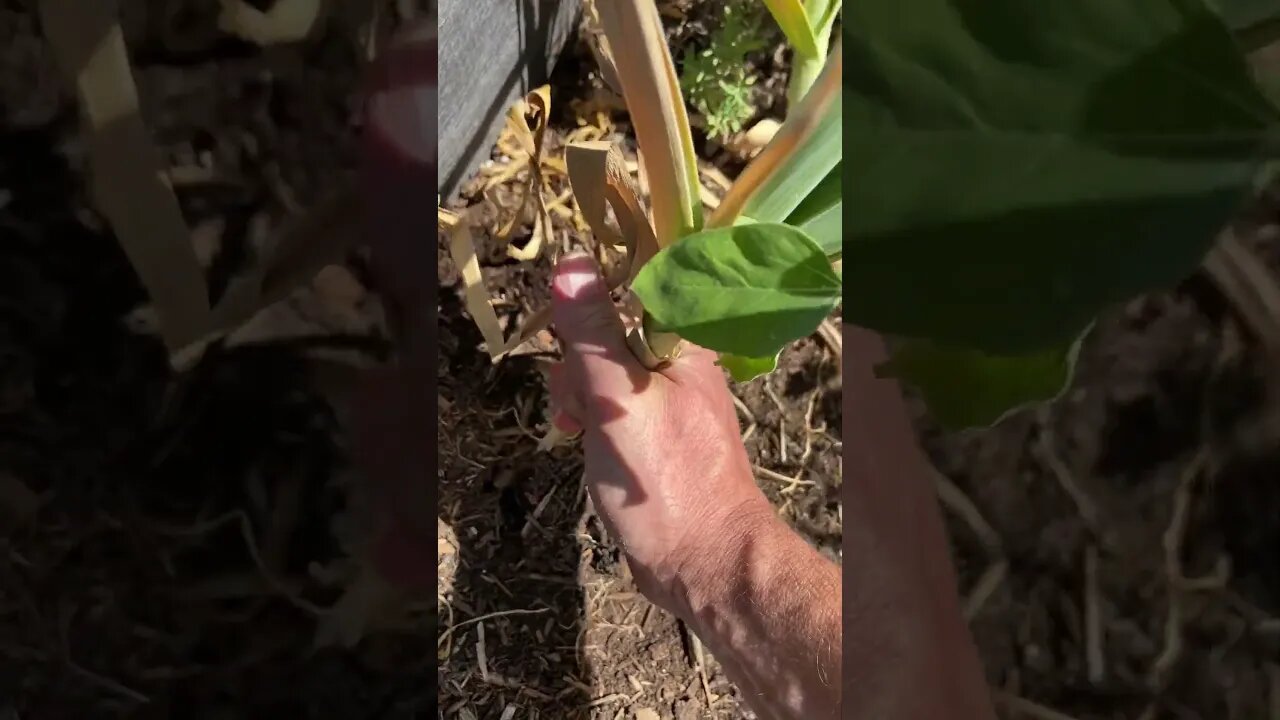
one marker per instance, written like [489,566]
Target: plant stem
[805,71]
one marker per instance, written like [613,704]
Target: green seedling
[716,79]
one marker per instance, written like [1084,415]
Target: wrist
[721,556]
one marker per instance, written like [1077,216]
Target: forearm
[770,612]
[921,661]
[771,608]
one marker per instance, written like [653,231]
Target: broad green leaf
[967,388]
[746,369]
[794,23]
[799,157]
[744,290]
[819,214]
[1022,165]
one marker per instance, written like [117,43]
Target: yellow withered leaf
[600,180]
[652,92]
[598,175]
[527,127]
[126,175]
[476,295]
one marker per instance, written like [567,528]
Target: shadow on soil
[516,513]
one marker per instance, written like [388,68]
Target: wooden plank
[491,52]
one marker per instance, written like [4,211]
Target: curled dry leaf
[527,125]
[475,294]
[599,177]
[600,180]
[462,249]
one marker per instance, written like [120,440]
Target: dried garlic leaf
[599,177]
[125,166]
[476,295]
[534,107]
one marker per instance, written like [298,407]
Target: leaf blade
[819,213]
[744,290]
[126,171]
[746,369]
[793,20]
[966,388]
[1021,167]
[798,158]
[651,88]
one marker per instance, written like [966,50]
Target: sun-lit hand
[665,463]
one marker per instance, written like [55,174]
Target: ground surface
[1059,520]
[128,494]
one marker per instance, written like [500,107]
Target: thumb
[591,333]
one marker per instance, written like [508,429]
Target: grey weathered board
[490,53]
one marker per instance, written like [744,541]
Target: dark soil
[130,589]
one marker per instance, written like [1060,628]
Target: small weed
[716,80]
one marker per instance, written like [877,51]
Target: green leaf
[819,214]
[967,388]
[805,70]
[1023,165]
[744,290]
[746,369]
[793,20]
[825,229]
[815,130]
[825,194]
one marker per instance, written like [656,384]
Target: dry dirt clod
[747,145]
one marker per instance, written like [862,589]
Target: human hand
[665,463]
[393,408]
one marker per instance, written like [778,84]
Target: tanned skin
[669,476]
